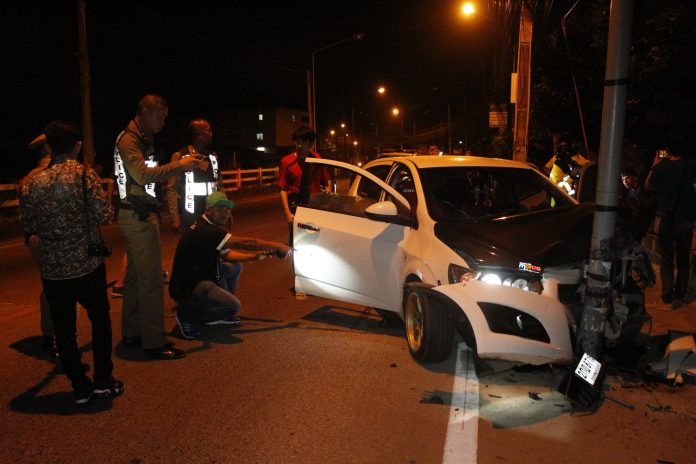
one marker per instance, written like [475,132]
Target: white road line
[461,442]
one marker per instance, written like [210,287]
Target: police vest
[203,187]
[120,170]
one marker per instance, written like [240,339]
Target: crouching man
[207,265]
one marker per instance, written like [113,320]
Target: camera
[98,250]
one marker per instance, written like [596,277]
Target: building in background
[244,138]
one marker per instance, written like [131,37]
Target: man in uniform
[142,319]
[186,192]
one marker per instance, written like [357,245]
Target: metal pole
[575,84]
[314,96]
[598,293]
[310,97]
[449,130]
[87,132]
[315,123]
[524,71]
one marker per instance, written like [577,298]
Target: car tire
[429,330]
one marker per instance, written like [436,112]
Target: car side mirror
[386,211]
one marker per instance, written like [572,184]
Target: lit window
[293,118]
[259,136]
[260,117]
[260,148]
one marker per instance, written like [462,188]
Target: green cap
[218,199]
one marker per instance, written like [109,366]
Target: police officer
[142,319]
[186,192]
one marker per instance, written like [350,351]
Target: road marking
[461,441]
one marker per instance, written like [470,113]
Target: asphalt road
[314,381]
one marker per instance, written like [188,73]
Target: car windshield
[456,193]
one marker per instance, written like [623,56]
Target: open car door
[348,242]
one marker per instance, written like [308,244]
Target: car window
[475,192]
[402,181]
[341,199]
[367,188]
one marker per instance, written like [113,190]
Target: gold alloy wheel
[414,321]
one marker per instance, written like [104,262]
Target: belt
[130,206]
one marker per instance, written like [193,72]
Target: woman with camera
[64,205]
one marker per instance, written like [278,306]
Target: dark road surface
[314,381]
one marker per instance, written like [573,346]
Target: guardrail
[233,180]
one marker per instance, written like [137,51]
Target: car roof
[429,161]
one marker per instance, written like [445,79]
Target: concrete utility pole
[87,132]
[599,286]
[523,85]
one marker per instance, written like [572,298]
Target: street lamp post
[313,109]
[397,112]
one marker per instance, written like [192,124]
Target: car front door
[348,245]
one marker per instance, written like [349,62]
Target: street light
[468,9]
[313,109]
[397,112]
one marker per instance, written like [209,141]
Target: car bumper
[512,324]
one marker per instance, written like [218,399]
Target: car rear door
[340,252]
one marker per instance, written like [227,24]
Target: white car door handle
[309,227]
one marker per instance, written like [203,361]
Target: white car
[488,247]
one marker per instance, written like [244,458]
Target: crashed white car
[488,247]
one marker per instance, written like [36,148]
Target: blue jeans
[211,302]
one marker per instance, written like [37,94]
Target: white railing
[234,180]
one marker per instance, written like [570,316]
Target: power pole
[87,132]
[523,84]
[599,285]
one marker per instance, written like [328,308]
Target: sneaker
[116,292]
[109,388]
[188,330]
[232,320]
[83,396]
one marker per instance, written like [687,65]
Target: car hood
[544,238]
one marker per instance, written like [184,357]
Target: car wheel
[429,330]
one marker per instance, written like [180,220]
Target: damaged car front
[487,247]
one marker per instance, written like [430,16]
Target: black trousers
[674,239]
[63,296]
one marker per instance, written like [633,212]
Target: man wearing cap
[207,265]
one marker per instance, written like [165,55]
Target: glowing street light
[381,90]
[397,112]
[468,9]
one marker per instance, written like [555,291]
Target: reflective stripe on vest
[193,189]
[121,172]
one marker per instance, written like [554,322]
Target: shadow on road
[61,403]
[365,320]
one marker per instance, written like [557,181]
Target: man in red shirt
[295,188]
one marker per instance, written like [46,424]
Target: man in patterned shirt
[63,205]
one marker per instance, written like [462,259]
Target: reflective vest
[193,189]
[120,171]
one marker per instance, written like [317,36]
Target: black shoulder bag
[97,250]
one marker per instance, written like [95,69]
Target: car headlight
[527,282]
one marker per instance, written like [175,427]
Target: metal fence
[234,180]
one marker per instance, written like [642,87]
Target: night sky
[209,55]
